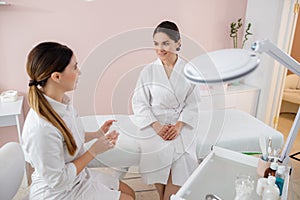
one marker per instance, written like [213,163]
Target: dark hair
[46,58]
[43,60]
[169,28]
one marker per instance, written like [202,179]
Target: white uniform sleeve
[48,160]
[189,114]
[141,103]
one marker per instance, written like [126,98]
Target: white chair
[12,165]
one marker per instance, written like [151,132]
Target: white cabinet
[11,114]
[241,97]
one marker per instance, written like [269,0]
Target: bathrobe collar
[172,81]
[174,74]
[175,69]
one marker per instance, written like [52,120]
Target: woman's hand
[101,131]
[174,131]
[104,143]
[160,129]
[105,127]
[112,137]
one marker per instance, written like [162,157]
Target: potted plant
[234,28]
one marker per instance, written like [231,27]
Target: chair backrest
[12,165]
[292,81]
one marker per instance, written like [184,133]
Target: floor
[148,192]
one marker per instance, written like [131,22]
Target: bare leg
[124,196]
[127,192]
[160,189]
[170,188]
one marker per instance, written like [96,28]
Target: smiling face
[164,46]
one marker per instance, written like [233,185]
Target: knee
[126,191]
[126,196]
[131,193]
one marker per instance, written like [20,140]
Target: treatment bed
[232,129]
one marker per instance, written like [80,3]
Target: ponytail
[39,68]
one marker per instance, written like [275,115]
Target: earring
[178,48]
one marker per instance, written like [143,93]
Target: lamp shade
[221,66]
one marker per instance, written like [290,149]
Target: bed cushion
[232,129]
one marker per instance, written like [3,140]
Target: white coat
[55,174]
[166,100]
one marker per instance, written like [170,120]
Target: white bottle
[271,191]
[261,184]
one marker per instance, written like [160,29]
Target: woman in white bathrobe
[166,103]
[53,135]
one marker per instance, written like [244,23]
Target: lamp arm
[290,139]
[269,48]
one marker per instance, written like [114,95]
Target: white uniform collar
[59,107]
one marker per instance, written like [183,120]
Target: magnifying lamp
[232,64]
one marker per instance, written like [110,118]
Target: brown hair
[42,61]
[170,29]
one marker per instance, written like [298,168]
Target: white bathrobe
[167,100]
[55,174]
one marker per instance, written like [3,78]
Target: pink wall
[84,25]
